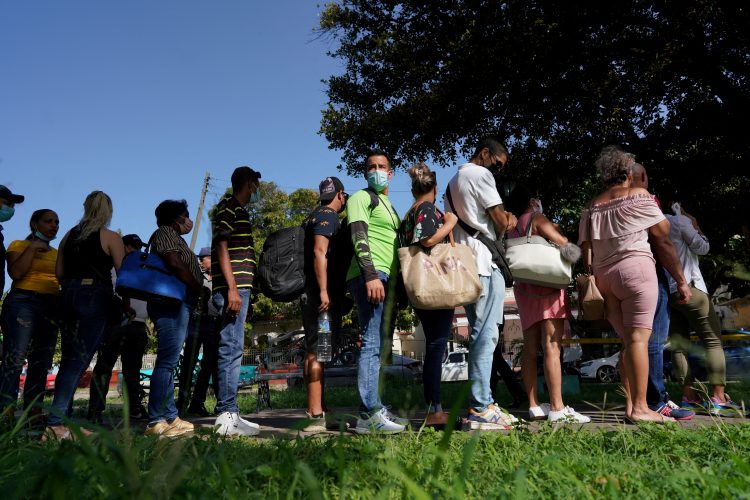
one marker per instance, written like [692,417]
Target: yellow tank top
[41,275]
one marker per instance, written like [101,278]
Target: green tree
[555,80]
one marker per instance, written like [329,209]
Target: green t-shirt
[382,228]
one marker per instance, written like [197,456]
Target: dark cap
[6,194]
[133,241]
[204,252]
[242,175]
[329,187]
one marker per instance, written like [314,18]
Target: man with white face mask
[371,281]
[8,202]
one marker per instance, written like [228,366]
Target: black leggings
[437,326]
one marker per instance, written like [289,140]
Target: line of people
[623,228]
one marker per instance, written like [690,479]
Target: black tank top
[86,259]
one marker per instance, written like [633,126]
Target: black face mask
[496,167]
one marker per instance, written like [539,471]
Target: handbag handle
[529,227]
[588,257]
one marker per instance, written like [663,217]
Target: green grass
[650,462]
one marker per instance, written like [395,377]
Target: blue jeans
[28,323]
[376,322]
[171,323]
[231,343]
[484,316]
[656,392]
[84,321]
[436,325]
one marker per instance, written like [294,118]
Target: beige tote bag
[441,277]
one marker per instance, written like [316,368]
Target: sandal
[62,433]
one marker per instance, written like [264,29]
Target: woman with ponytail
[28,317]
[424,224]
[88,252]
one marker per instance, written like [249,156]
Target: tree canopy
[556,80]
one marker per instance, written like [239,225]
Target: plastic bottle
[324,337]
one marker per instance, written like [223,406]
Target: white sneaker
[316,423]
[230,424]
[539,412]
[504,415]
[378,423]
[248,423]
[395,418]
[569,415]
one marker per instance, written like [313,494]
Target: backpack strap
[374,199]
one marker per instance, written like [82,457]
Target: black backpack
[281,269]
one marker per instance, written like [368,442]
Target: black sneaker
[139,413]
[95,418]
[198,409]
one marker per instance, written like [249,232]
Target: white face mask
[538,206]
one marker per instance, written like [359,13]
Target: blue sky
[141,98]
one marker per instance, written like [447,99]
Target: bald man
[656,394]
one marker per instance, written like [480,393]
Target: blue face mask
[6,213]
[255,197]
[377,180]
[42,237]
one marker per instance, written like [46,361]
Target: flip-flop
[664,420]
[49,434]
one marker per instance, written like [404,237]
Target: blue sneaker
[724,408]
[670,409]
[695,406]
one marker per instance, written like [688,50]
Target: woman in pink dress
[543,312]
[621,225]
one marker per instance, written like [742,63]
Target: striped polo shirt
[166,240]
[231,223]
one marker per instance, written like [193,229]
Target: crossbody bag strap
[469,230]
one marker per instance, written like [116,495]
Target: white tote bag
[441,277]
[534,260]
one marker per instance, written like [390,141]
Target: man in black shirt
[321,294]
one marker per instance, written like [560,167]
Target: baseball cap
[205,251]
[329,187]
[6,193]
[133,240]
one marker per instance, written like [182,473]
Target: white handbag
[534,260]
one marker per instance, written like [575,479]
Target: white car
[603,369]
[456,366]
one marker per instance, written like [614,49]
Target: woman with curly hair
[617,226]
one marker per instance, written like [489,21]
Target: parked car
[603,369]
[456,366]
[404,367]
[49,385]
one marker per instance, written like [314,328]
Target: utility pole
[199,216]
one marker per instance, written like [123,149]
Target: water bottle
[324,337]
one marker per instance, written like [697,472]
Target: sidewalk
[287,423]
